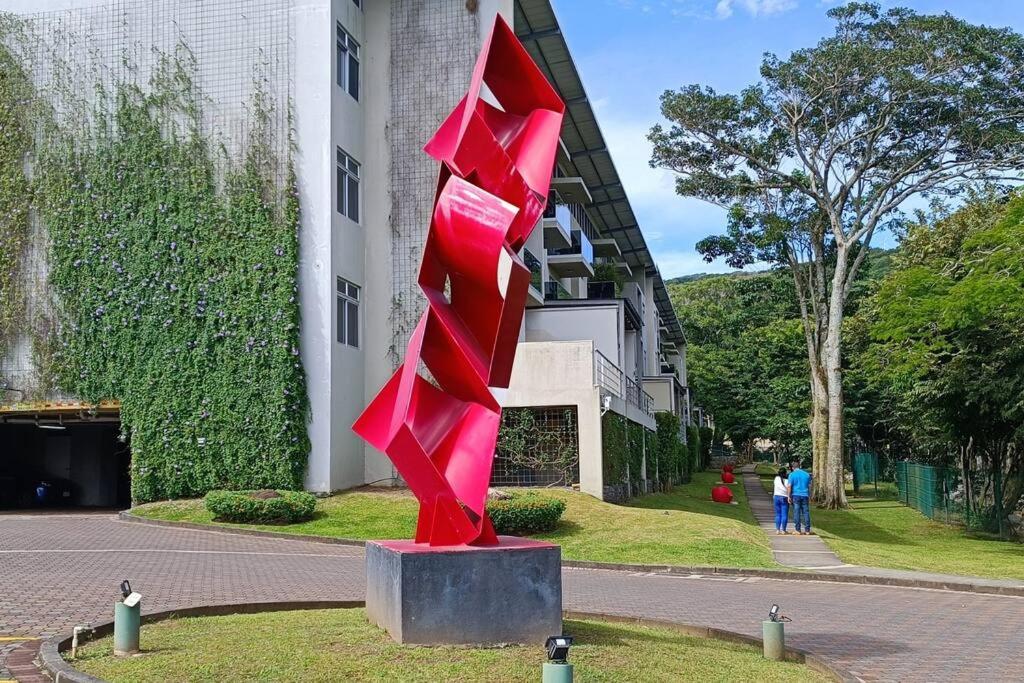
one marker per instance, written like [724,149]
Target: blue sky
[630,51]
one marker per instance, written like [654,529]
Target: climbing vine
[175,275]
[15,194]
[538,439]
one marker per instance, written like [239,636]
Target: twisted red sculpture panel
[496,163]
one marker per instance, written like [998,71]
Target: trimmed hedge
[525,513]
[287,507]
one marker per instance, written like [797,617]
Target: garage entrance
[63,459]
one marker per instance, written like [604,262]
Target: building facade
[365,83]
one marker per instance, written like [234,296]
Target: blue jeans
[781,513]
[802,512]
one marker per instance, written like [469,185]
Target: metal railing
[554,291]
[607,374]
[536,274]
[580,246]
[637,397]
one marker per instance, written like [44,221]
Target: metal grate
[548,443]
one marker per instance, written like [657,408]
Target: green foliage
[671,462]
[178,292]
[623,442]
[943,353]
[525,513]
[609,272]
[15,191]
[694,448]
[746,358]
[528,442]
[614,447]
[243,507]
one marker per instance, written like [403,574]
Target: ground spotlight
[558,648]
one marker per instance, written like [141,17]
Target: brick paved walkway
[58,571]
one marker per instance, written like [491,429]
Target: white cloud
[755,8]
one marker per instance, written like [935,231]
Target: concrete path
[793,550]
[810,552]
[59,571]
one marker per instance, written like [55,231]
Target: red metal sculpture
[497,151]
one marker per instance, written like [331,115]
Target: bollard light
[558,648]
[126,589]
[557,669]
[773,634]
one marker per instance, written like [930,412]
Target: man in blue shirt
[800,480]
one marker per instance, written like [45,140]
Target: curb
[677,570]
[51,661]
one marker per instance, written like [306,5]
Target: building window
[347,52]
[348,186]
[358,3]
[348,313]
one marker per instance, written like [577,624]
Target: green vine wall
[529,441]
[15,191]
[176,289]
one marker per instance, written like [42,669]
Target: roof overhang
[585,152]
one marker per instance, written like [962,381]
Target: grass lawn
[683,527]
[338,645]
[883,532]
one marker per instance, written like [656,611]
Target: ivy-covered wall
[623,443]
[174,273]
[15,191]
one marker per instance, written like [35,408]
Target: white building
[368,82]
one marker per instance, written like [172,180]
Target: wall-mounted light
[59,427]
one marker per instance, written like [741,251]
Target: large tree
[818,157]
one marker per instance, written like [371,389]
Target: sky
[630,51]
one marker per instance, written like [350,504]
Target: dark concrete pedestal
[508,593]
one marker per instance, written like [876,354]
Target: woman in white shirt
[781,499]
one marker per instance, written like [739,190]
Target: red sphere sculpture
[728,477]
[721,494]
[727,467]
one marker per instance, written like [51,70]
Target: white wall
[314,157]
[562,374]
[602,324]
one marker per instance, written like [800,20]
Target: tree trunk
[819,430]
[833,488]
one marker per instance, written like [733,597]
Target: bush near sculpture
[261,507]
[525,513]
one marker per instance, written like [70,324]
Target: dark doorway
[64,465]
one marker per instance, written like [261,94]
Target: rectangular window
[348,313]
[348,186]
[358,3]
[347,58]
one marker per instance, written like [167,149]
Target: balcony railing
[601,290]
[637,397]
[533,263]
[607,374]
[580,245]
[555,206]
[553,290]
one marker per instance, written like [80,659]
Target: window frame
[347,185]
[347,300]
[347,62]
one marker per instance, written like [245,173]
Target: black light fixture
[56,427]
[773,613]
[558,648]
[126,589]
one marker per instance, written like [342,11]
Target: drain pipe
[78,630]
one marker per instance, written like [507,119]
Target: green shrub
[525,513]
[244,507]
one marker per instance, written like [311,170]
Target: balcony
[554,291]
[607,247]
[638,398]
[607,375]
[536,276]
[571,189]
[576,260]
[557,225]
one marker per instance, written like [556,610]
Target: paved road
[58,571]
